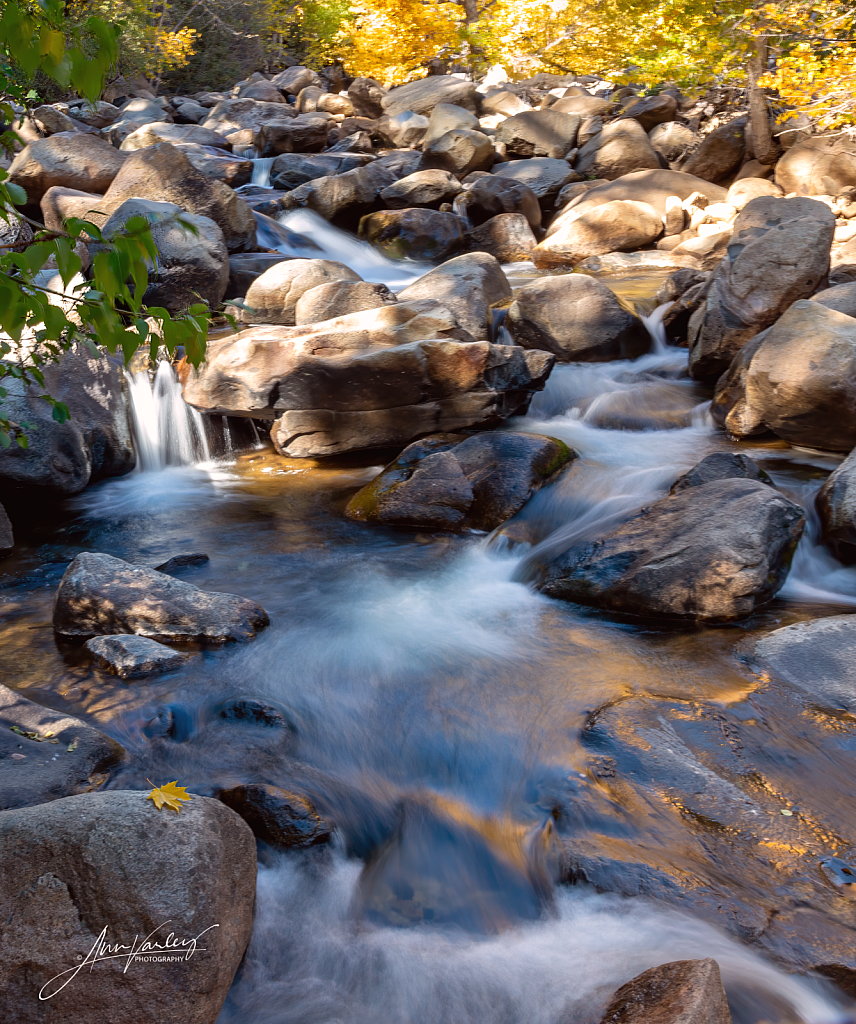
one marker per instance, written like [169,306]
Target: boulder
[295,79]
[577,318]
[721,466]
[87,876]
[507,236]
[102,595]
[238,114]
[7,536]
[162,131]
[455,482]
[504,102]
[468,286]
[245,267]
[620,148]
[542,174]
[539,133]
[53,120]
[292,169]
[130,656]
[273,296]
[715,552]
[337,298]
[654,187]
[818,166]
[46,755]
[459,151]
[267,92]
[446,117]
[404,130]
[190,112]
[584,106]
[219,164]
[842,297]
[192,263]
[493,194]
[778,253]
[720,154]
[671,140]
[97,115]
[59,203]
[350,194]
[164,173]
[651,111]
[617,226]
[415,233]
[680,992]
[64,458]
[422,188]
[304,134]
[836,506]
[798,379]
[366,96]
[744,190]
[424,94]
[73,161]
[278,817]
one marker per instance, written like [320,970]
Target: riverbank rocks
[46,755]
[416,233]
[336,298]
[818,166]
[714,553]
[306,133]
[162,131]
[277,816]
[507,236]
[778,253]
[71,160]
[351,193]
[671,140]
[654,187]
[651,111]
[272,298]
[422,188]
[492,195]
[836,506]
[221,165]
[459,151]
[366,95]
[243,114]
[468,286]
[102,595]
[544,175]
[720,154]
[577,318]
[455,482]
[798,379]
[164,174]
[680,992]
[292,169]
[619,148]
[842,297]
[63,458]
[539,133]
[109,867]
[130,656]
[617,226]
[424,94]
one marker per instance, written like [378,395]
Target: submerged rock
[132,656]
[454,482]
[102,595]
[721,466]
[680,992]
[112,865]
[46,755]
[277,816]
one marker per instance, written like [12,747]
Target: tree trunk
[767,149]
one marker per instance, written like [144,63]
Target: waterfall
[654,324]
[261,171]
[167,431]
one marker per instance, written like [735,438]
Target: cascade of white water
[167,431]
[261,171]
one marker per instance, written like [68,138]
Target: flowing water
[533,801]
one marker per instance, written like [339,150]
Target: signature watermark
[168,949]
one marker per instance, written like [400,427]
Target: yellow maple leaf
[170,795]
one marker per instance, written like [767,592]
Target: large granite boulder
[278,817]
[798,379]
[680,992]
[778,253]
[671,140]
[455,482]
[273,295]
[233,171]
[304,134]
[446,117]
[101,595]
[836,506]
[577,318]
[349,194]
[46,755]
[367,97]
[460,151]
[163,131]
[129,656]
[715,552]
[422,188]
[492,195]
[619,148]
[544,175]
[337,298]
[71,160]
[295,79]
[424,94]
[507,236]
[818,166]
[841,297]
[651,111]
[292,169]
[618,226]
[87,881]
[539,133]
[720,154]
[235,115]
[416,233]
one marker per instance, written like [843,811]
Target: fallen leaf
[19,757]
[170,795]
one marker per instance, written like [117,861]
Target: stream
[446,715]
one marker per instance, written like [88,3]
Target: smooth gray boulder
[544,175]
[367,97]
[76,161]
[507,236]
[102,595]
[671,140]
[539,133]
[422,188]
[46,754]
[836,506]
[618,226]
[164,131]
[818,656]
[130,656]
[460,151]
[292,169]
[493,194]
[720,154]
[414,233]
[110,868]
[337,298]
[423,95]
[621,147]
[817,166]
[446,117]
[680,992]
[273,296]
[651,111]
[841,297]
[234,115]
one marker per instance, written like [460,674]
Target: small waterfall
[459,208]
[654,323]
[261,171]
[167,431]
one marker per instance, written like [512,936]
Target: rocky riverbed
[489,589]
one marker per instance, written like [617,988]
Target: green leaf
[16,194]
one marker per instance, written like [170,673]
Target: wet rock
[179,562]
[460,152]
[745,190]
[796,379]
[618,226]
[276,816]
[493,194]
[352,193]
[454,482]
[231,170]
[292,169]
[245,267]
[367,97]
[337,298]
[273,296]
[710,553]
[651,111]
[102,595]
[842,297]
[671,140]
[240,114]
[304,134]
[253,712]
[422,188]
[539,133]
[468,286]
[577,318]
[720,154]
[130,657]
[63,458]
[620,148]
[73,867]
[721,466]
[686,290]
[46,755]
[817,166]
[542,174]
[7,538]
[424,94]
[190,266]
[162,131]
[836,506]
[73,161]
[680,992]
[415,233]
[507,236]
[778,253]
